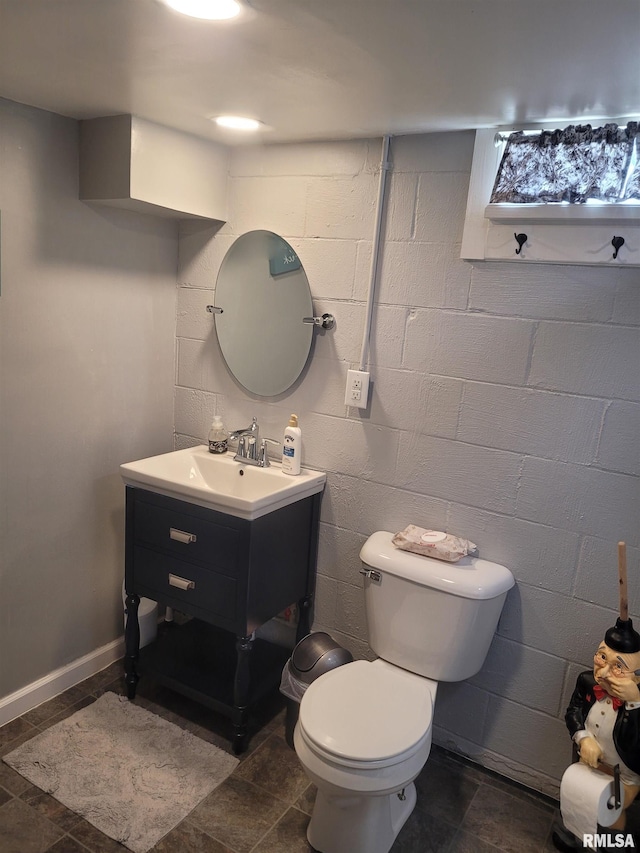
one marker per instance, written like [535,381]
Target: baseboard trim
[56,682]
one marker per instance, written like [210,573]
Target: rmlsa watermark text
[607,840]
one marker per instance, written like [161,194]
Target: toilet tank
[431,617]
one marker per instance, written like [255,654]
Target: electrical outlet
[357,392]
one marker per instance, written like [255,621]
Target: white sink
[217,482]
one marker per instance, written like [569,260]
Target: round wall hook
[521,239]
[617,243]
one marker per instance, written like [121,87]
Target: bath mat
[128,772]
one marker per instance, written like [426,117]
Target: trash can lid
[312,648]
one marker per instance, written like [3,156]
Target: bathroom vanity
[230,575]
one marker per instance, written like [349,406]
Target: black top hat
[622,637]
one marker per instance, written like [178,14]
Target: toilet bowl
[363,735]
[364,729]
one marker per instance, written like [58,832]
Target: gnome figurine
[603,716]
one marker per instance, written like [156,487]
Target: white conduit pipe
[385,166]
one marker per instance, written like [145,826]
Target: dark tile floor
[264,806]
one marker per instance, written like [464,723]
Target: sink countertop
[218,482]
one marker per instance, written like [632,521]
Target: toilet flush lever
[372,574]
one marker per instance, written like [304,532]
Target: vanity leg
[132,644]
[241,685]
[305,605]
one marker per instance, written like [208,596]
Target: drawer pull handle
[181,535]
[181,583]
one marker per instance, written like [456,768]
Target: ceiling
[326,69]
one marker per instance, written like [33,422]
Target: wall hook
[521,239]
[617,243]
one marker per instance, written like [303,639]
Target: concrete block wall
[505,407]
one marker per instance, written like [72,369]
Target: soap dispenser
[218,436]
[292,447]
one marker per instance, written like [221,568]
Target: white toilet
[364,729]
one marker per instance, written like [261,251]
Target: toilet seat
[369,714]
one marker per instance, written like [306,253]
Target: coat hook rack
[521,239]
[617,243]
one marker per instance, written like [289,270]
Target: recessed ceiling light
[209,10]
[238,122]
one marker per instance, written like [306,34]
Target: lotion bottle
[292,447]
[218,436]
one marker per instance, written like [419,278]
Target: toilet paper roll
[584,799]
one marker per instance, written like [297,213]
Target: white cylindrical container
[218,436]
[292,447]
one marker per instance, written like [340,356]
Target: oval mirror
[264,295]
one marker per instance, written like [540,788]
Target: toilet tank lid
[469,577]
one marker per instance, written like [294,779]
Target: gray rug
[130,773]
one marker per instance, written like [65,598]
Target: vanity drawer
[166,577]
[186,536]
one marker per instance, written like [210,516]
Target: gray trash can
[314,655]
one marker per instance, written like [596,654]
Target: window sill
[556,213]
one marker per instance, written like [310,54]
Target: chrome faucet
[247,442]
[251,449]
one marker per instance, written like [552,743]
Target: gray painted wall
[87,322]
[505,409]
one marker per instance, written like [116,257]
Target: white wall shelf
[587,214]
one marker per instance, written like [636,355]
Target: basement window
[577,165]
[557,172]
[531,181]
